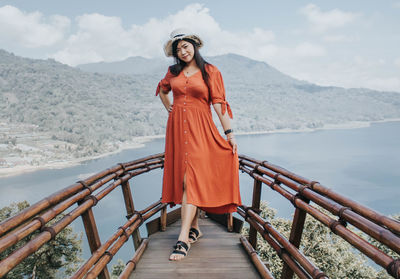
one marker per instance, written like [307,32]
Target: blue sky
[342,43]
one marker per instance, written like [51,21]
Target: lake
[362,164]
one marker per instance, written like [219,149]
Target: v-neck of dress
[191,74]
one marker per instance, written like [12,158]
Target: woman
[201,168]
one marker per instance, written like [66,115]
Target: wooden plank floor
[218,254]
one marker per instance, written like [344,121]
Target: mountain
[131,66]
[233,66]
[86,113]
[239,68]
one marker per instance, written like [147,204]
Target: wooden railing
[79,198]
[300,192]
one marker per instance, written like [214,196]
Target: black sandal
[178,248]
[194,234]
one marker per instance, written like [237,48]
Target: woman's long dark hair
[201,63]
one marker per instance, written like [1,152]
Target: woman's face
[185,51]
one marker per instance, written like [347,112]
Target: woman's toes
[175,257]
[181,249]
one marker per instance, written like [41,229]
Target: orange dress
[193,145]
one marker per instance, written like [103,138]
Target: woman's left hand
[232,142]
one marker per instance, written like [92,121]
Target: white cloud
[397,62]
[103,38]
[98,38]
[322,21]
[31,30]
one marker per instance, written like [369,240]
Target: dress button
[185,132]
[185,162]
[184,120]
[185,142]
[186,153]
[184,109]
[184,103]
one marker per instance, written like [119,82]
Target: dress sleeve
[217,90]
[164,84]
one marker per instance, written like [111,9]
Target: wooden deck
[218,254]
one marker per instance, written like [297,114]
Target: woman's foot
[181,249]
[194,235]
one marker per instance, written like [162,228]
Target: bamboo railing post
[163,219]
[260,266]
[256,207]
[130,209]
[295,237]
[131,264]
[93,237]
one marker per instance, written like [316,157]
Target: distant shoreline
[139,142]
[347,125]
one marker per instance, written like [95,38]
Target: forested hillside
[86,113]
[88,110]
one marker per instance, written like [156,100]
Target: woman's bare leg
[188,212]
[195,224]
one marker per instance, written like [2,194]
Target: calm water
[362,164]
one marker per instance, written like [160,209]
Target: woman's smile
[185,51]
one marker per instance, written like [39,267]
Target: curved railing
[300,192]
[79,198]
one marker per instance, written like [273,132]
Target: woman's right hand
[169,109]
[233,143]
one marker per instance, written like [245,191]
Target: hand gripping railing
[300,191]
[79,199]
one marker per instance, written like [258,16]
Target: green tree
[117,269]
[55,259]
[329,252]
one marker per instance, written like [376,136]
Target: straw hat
[180,34]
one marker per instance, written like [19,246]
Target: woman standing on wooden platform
[201,168]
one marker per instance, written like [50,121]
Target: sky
[341,43]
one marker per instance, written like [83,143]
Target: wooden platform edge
[155,225]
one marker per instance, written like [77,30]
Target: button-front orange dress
[194,145]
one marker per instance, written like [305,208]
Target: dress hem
[219,209]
